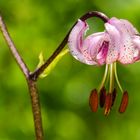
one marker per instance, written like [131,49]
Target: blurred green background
[40,25]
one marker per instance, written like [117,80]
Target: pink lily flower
[119,42]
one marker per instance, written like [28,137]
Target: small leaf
[52,65]
[41,60]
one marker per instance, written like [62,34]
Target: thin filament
[111,78]
[116,77]
[104,77]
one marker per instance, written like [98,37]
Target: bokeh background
[40,25]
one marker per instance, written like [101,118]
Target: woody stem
[36,109]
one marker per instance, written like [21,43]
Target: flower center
[108,91]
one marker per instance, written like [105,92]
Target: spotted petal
[95,49]
[119,42]
[136,42]
[114,43]
[127,48]
[75,40]
[91,50]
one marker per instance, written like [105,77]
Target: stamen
[93,100]
[102,97]
[111,78]
[116,77]
[104,78]
[113,96]
[124,102]
[108,103]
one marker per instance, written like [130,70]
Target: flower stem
[95,14]
[31,84]
[36,109]
[40,70]
[13,49]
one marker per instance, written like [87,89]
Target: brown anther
[93,100]
[108,103]
[114,96]
[124,102]
[102,96]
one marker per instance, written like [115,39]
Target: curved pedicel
[86,16]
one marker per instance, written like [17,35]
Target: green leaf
[52,65]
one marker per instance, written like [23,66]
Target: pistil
[116,77]
[104,78]
[111,86]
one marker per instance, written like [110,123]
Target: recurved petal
[75,41]
[136,41]
[127,48]
[123,25]
[131,53]
[93,50]
[129,27]
[92,40]
[114,44]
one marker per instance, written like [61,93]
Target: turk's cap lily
[119,42]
